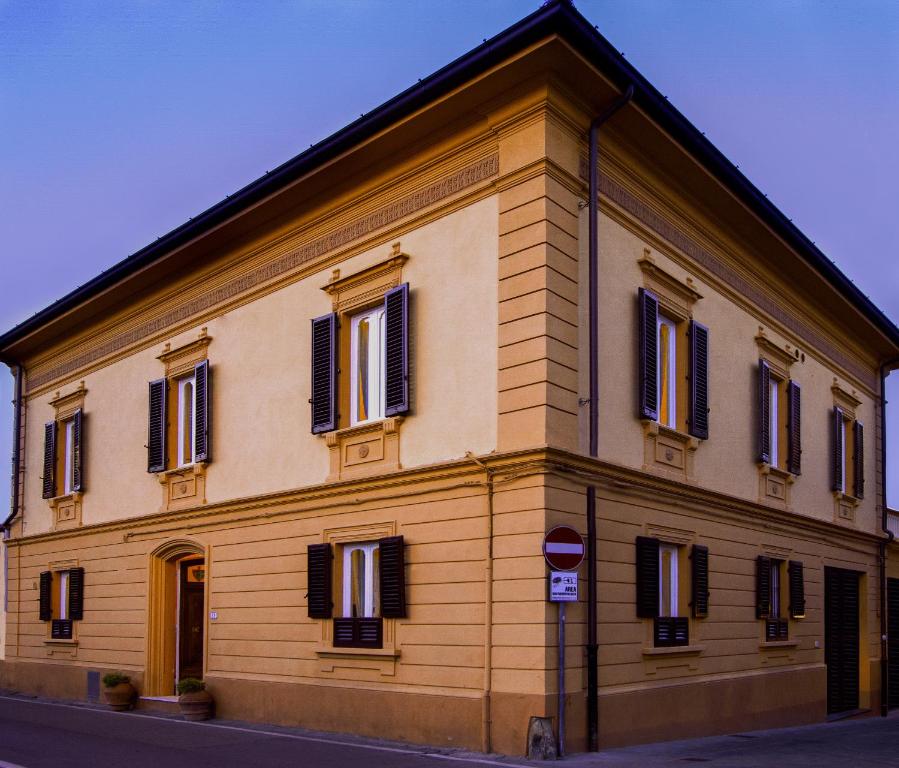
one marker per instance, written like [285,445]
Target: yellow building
[307,445]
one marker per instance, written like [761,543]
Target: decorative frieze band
[364,225]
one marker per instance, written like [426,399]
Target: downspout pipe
[16,442]
[885,368]
[593,333]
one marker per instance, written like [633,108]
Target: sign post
[563,549]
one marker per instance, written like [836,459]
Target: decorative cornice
[315,249]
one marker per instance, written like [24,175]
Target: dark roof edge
[555,16]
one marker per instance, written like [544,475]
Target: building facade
[307,445]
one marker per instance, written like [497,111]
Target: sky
[119,121]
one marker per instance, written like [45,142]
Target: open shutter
[78,451]
[699,557]
[794,428]
[797,590]
[762,587]
[836,449]
[649,355]
[396,352]
[76,594]
[764,413]
[156,426]
[647,577]
[858,459]
[324,374]
[46,609]
[699,381]
[49,489]
[203,384]
[319,581]
[392,577]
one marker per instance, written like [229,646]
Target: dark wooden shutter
[76,594]
[357,633]
[156,426]
[858,459]
[203,384]
[794,428]
[762,587]
[836,449]
[392,577]
[797,590]
[699,587]
[319,581]
[764,412]
[699,381]
[647,577]
[649,355]
[78,451]
[46,605]
[49,487]
[324,374]
[396,352]
[671,630]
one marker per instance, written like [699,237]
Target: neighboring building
[307,445]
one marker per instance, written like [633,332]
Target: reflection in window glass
[361,580]
[666,373]
[367,363]
[186,420]
[362,342]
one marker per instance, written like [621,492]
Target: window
[659,595]
[178,433]
[63,450]
[371,588]
[779,414]
[773,589]
[62,601]
[673,368]
[847,454]
[367,357]
[187,419]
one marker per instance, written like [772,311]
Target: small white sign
[562,587]
[213,615]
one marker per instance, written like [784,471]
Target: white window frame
[773,419]
[183,460]
[69,460]
[63,595]
[368,549]
[672,369]
[376,368]
[671,549]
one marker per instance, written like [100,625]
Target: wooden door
[190,620]
[841,640]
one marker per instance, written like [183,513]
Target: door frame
[162,613]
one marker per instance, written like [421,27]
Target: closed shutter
[893,641]
[671,631]
[203,384]
[319,581]
[699,557]
[324,374]
[156,426]
[392,577]
[794,428]
[649,355]
[78,451]
[647,577]
[858,459]
[76,594]
[762,587]
[357,633]
[49,485]
[396,351]
[836,449]
[764,413]
[46,594]
[699,381]
[797,590]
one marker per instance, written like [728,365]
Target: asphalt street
[43,734]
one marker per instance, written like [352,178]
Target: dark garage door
[841,639]
[893,634]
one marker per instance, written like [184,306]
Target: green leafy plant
[112,679]
[190,685]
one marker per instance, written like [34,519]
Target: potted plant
[118,691]
[194,699]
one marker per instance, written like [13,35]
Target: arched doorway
[176,619]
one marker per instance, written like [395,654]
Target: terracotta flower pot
[120,697]
[196,705]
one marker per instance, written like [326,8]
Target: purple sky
[121,120]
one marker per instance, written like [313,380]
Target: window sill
[674,650]
[197,468]
[668,451]
[774,486]
[364,449]
[62,643]
[327,651]
[66,510]
[845,498]
[183,486]
[774,644]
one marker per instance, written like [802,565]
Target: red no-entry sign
[563,548]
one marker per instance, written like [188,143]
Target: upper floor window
[367,366]
[178,432]
[847,454]
[667,371]
[187,419]
[63,456]
[779,419]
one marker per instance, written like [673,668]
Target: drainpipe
[885,368]
[593,303]
[16,442]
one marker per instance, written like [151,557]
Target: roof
[554,17]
